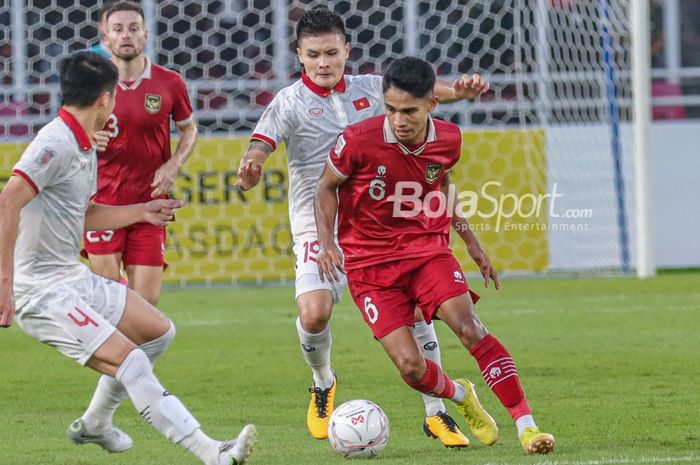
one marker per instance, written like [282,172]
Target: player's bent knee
[470,334]
[155,348]
[411,368]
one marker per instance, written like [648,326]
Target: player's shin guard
[110,393]
[499,372]
[427,339]
[316,349]
[157,406]
[433,382]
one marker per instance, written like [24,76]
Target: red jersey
[389,206]
[140,135]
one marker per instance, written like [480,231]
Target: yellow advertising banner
[223,235]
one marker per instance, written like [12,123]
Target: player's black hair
[125,5]
[320,20]
[411,75]
[84,76]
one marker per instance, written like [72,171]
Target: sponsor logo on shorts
[459,278]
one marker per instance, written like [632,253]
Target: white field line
[615,461]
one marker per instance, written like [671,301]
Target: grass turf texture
[611,368]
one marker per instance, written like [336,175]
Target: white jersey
[61,166]
[309,118]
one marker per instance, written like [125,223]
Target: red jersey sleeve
[343,157]
[182,108]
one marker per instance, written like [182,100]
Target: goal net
[546,168]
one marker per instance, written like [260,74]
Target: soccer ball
[358,428]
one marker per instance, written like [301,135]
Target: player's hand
[249,174]
[470,87]
[164,178]
[330,262]
[101,139]
[161,212]
[484,263]
[7,307]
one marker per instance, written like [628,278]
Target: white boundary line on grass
[620,461]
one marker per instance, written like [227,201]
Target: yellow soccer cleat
[444,428]
[320,410]
[483,426]
[536,442]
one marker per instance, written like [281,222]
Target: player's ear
[432,103]
[347,50]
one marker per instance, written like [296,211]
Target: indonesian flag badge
[152,103]
[432,172]
[361,103]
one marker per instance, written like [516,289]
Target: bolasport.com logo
[502,211]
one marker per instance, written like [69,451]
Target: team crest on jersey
[316,112]
[152,103]
[45,156]
[339,146]
[432,172]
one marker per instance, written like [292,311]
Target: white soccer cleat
[114,440]
[236,451]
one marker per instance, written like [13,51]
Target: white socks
[526,421]
[427,339]
[109,393]
[460,393]
[163,410]
[316,349]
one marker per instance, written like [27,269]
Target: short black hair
[125,5]
[411,75]
[84,76]
[320,20]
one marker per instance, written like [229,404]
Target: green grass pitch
[611,368]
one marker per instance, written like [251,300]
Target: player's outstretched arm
[465,88]
[250,169]
[460,224]
[160,212]
[16,194]
[330,260]
[166,175]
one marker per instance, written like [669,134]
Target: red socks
[498,370]
[434,382]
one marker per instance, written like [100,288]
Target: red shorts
[387,293]
[139,244]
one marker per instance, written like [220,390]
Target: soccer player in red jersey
[136,164]
[387,179]
[307,116]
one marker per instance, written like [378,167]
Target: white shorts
[75,317]
[306,249]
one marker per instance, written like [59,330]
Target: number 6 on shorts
[371,310]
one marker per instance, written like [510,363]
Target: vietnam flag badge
[361,103]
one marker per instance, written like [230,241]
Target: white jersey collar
[147,72]
[390,137]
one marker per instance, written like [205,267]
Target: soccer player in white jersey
[44,208]
[308,116]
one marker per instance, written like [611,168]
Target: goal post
[554,166]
